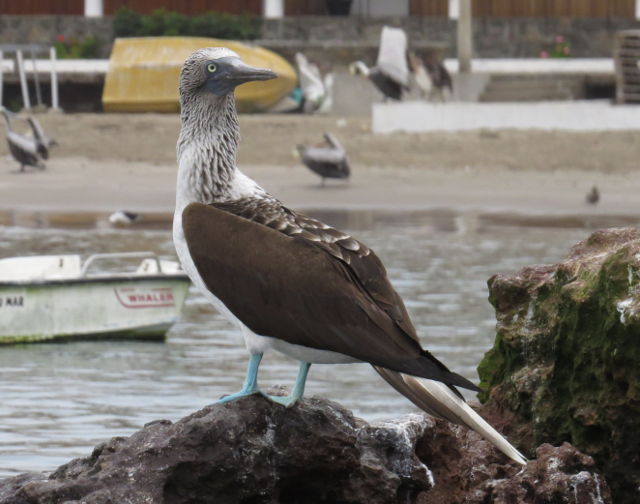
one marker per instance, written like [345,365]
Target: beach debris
[390,75]
[24,149]
[593,196]
[316,90]
[329,159]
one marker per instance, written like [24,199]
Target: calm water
[58,400]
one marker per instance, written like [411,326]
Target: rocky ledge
[255,451]
[566,362]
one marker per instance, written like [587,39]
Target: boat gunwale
[99,279]
[150,332]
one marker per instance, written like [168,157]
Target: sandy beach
[107,162]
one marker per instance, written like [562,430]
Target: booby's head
[217,71]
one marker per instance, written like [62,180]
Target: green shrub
[73,48]
[161,22]
[126,23]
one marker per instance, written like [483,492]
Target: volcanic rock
[255,451]
[565,366]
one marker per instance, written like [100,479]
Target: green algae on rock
[566,360]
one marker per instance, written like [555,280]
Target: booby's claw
[237,395]
[286,401]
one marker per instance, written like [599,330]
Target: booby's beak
[239,73]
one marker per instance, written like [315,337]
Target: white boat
[60,297]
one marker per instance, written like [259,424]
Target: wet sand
[107,162]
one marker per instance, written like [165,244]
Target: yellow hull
[144,72]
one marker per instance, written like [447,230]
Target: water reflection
[59,400]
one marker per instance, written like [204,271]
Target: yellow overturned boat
[144,72]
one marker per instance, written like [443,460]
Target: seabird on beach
[123,217]
[433,79]
[23,148]
[593,196]
[291,283]
[391,72]
[43,142]
[328,161]
[316,91]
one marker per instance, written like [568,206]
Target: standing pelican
[328,161]
[390,75]
[433,79]
[23,149]
[420,75]
[316,91]
[43,142]
[439,75]
[289,282]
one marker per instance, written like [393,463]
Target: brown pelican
[390,75]
[433,79]
[316,91]
[289,282]
[328,161]
[43,142]
[23,148]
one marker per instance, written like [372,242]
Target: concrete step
[509,88]
[521,97]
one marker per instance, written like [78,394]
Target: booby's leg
[298,388]
[250,382]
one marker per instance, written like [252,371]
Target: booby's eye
[211,67]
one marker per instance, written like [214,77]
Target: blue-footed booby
[291,283]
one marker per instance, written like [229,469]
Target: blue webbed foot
[237,395]
[298,388]
[250,386]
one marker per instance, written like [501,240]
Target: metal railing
[119,255]
[33,49]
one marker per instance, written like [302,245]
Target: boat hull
[89,308]
[144,72]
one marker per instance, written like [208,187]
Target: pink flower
[544,54]
[559,39]
[60,38]
[566,50]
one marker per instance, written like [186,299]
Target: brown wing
[281,280]
[362,261]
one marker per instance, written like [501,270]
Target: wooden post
[54,79]
[273,9]
[93,8]
[454,9]
[1,76]
[465,36]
